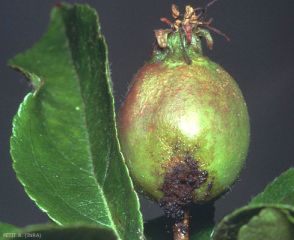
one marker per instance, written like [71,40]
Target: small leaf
[201,227]
[269,224]
[53,232]
[230,225]
[273,208]
[64,145]
[281,190]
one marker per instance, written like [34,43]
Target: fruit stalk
[181,229]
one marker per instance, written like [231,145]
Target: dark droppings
[179,184]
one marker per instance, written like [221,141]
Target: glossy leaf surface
[64,144]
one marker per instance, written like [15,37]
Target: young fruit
[184,125]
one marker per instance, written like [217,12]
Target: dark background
[260,57]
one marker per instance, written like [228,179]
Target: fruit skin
[173,109]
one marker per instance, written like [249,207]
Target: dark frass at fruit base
[184,126]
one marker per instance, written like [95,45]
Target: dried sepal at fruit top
[175,11]
[190,22]
[161,36]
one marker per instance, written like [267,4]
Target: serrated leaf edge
[38,87]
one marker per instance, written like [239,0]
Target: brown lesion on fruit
[180,181]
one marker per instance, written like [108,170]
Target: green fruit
[184,125]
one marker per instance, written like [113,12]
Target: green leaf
[268,216]
[230,226]
[201,225]
[51,232]
[6,228]
[64,145]
[270,224]
[281,190]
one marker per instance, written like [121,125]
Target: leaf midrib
[84,116]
